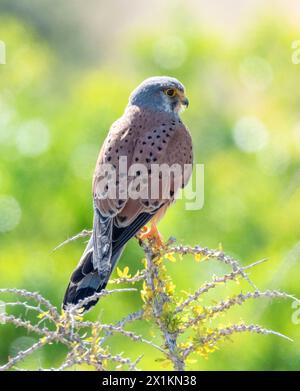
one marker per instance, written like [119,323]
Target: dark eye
[170,92]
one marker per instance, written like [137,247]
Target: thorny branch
[184,323]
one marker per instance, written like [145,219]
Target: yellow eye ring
[170,92]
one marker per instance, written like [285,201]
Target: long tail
[100,257]
[85,280]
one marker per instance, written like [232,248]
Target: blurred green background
[69,70]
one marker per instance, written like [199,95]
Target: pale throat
[168,107]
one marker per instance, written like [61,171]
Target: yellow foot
[152,234]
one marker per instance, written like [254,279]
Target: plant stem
[157,303]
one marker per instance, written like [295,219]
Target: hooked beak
[185,102]
[183,99]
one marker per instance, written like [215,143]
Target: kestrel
[149,133]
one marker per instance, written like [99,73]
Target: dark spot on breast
[122,218]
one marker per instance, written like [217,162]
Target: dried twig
[83,234]
[173,316]
[230,330]
[235,300]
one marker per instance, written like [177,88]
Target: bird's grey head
[160,93]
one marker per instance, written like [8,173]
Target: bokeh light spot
[10,213]
[32,138]
[256,73]
[83,159]
[250,134]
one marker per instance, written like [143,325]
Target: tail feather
[100,257]
[85,280]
